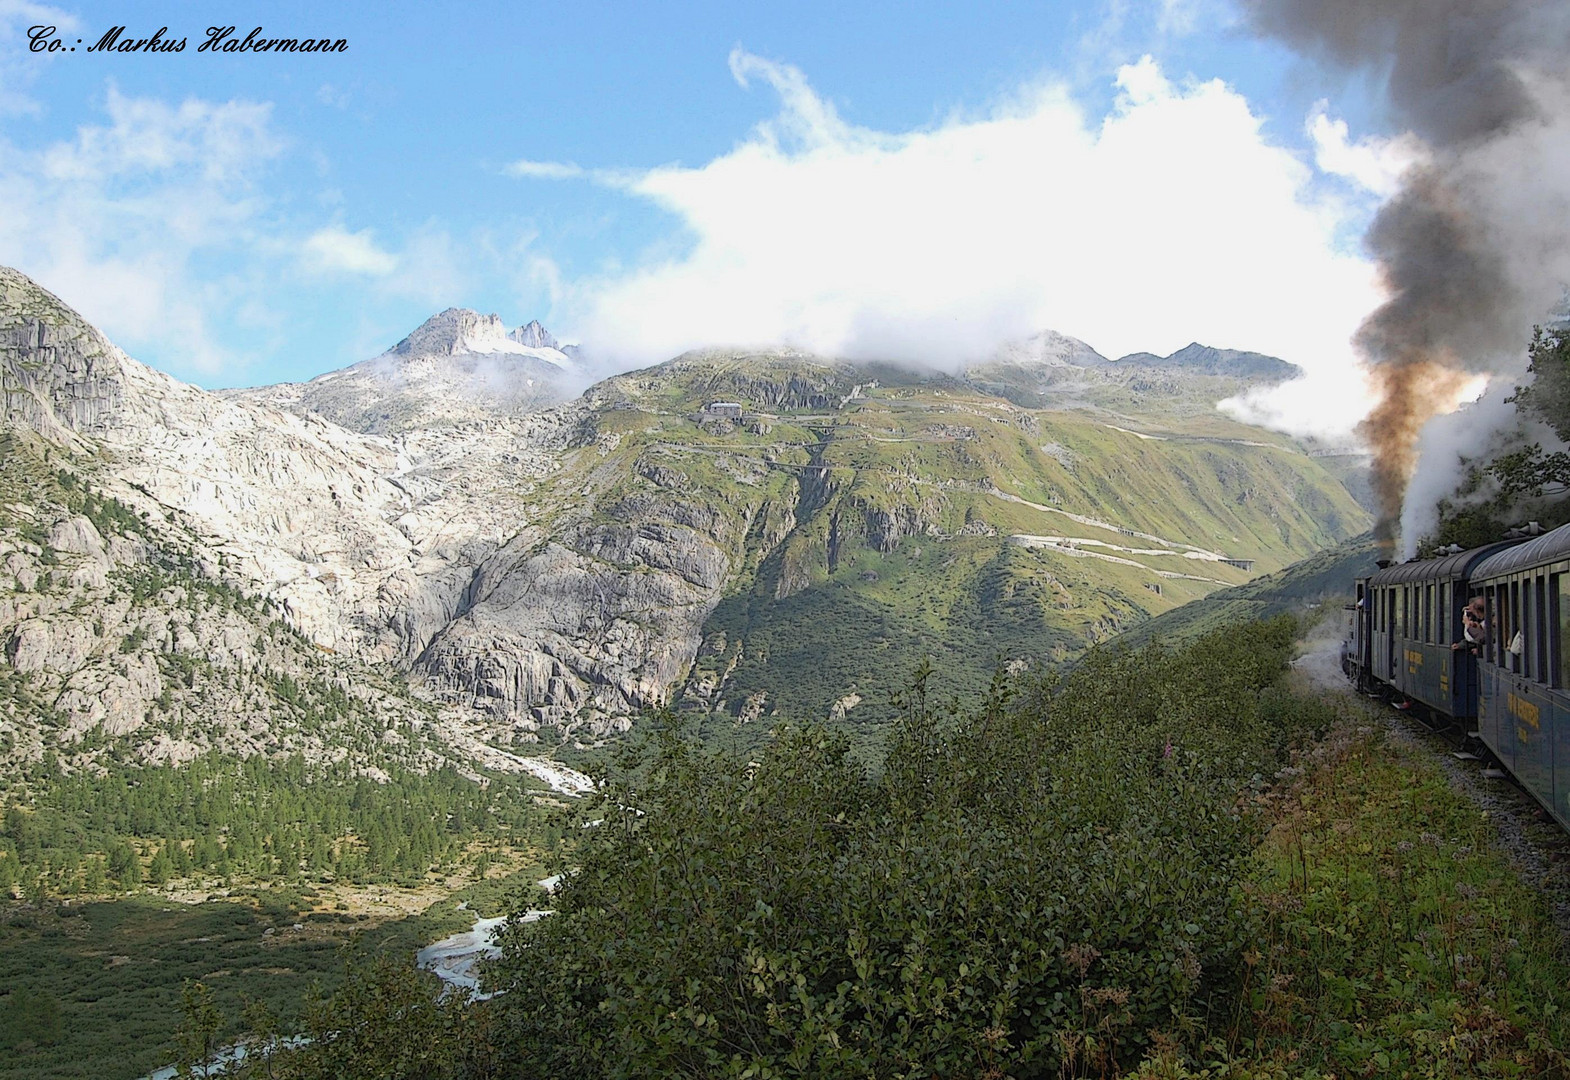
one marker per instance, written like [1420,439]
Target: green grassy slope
[876,518]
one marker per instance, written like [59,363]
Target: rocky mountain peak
[453,331]
[463,331]
[60,375]
[534,336]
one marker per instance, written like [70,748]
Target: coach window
[1493,597]
[1540,626]
[1562,621]
[1428,615]
[1513,646]
[1522,638]
[1445,616]
[1529,635]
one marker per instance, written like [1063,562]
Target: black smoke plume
[1476,245]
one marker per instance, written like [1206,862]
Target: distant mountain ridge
[1053,370]
[1051,349]
[1205,360]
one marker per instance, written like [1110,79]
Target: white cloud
[1372,162]
[199,141]
[335,249]
[1169,220]
[439,270]
[543,170]
[116,217]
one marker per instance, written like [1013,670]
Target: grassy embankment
[1395,939]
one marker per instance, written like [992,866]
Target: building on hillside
[725,410]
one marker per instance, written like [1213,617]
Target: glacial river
[456,959]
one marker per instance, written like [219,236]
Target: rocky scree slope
[417,550]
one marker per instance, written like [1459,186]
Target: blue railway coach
[1523,701]
[1407,618]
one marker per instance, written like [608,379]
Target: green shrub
[1036,886]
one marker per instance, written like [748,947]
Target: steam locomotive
[1506,684]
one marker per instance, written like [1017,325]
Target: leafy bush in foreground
[1041,886]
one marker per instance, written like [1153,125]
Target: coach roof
[1451,566]
[1549,547]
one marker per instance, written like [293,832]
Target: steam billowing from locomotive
[1475,246]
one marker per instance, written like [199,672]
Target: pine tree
[161,869]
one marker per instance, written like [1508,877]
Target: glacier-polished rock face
[588,634]
[417,549]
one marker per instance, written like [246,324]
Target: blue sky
[645,177]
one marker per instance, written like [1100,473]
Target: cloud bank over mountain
[1171,219]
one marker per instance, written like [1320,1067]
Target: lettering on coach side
[1525,711]
[1414,661]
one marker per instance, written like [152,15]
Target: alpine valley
[486,570]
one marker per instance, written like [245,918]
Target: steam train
[1510,690]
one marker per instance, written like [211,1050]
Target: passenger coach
[1408,617]
[1407,625]
[1523,702]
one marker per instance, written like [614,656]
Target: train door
[1392,633]
[1351,647]
[1399,638]
[1363,635]
[1490,678]
[1462,663]
[1558,611]
[1528,706]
